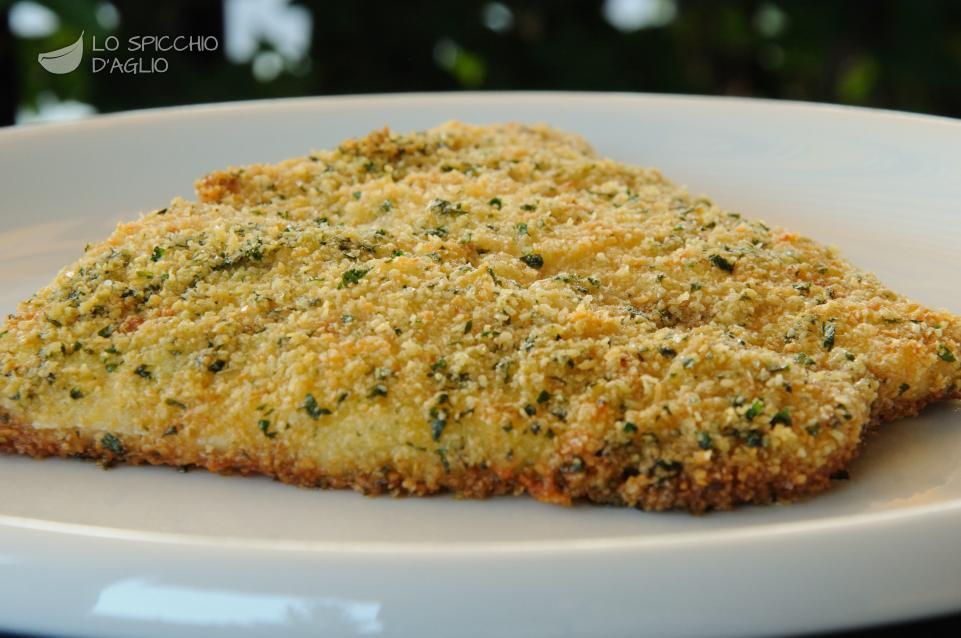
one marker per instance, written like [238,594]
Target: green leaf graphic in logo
[63,60]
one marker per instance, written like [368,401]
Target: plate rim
[661,540]
[214,108]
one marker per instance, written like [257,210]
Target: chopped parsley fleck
[217,366]
[157,253]
[143,371]
[528,207]
[170,431]
[828,331]
[783,417]
[76,393]
[533,260]
[264,426]
[442,454]
[667,353]
[756,408]
[844,412]
[721,263]
[468,326]
[379,390]
[106,331]
[176,403]
[437,425]
[439,365]
[803,359]
[704,441]
[903,388]
[543,397]
[630,428]
[112,443]
[668,469]
[575,466]
[352,276]
[313,410]
[496,203]
[444,207]
[946,355]
[755,438]
[522,228]
[111,366]
[530,410]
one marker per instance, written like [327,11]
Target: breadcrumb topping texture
[482,309]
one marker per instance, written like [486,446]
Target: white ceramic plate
[150,551]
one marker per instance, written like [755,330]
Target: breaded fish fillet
[486,310]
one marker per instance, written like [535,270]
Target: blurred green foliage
[888,53]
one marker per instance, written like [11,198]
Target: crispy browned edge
[726,487]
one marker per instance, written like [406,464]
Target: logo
[142,55]
[63,60]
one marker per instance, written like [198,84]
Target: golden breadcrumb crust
[481,309]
